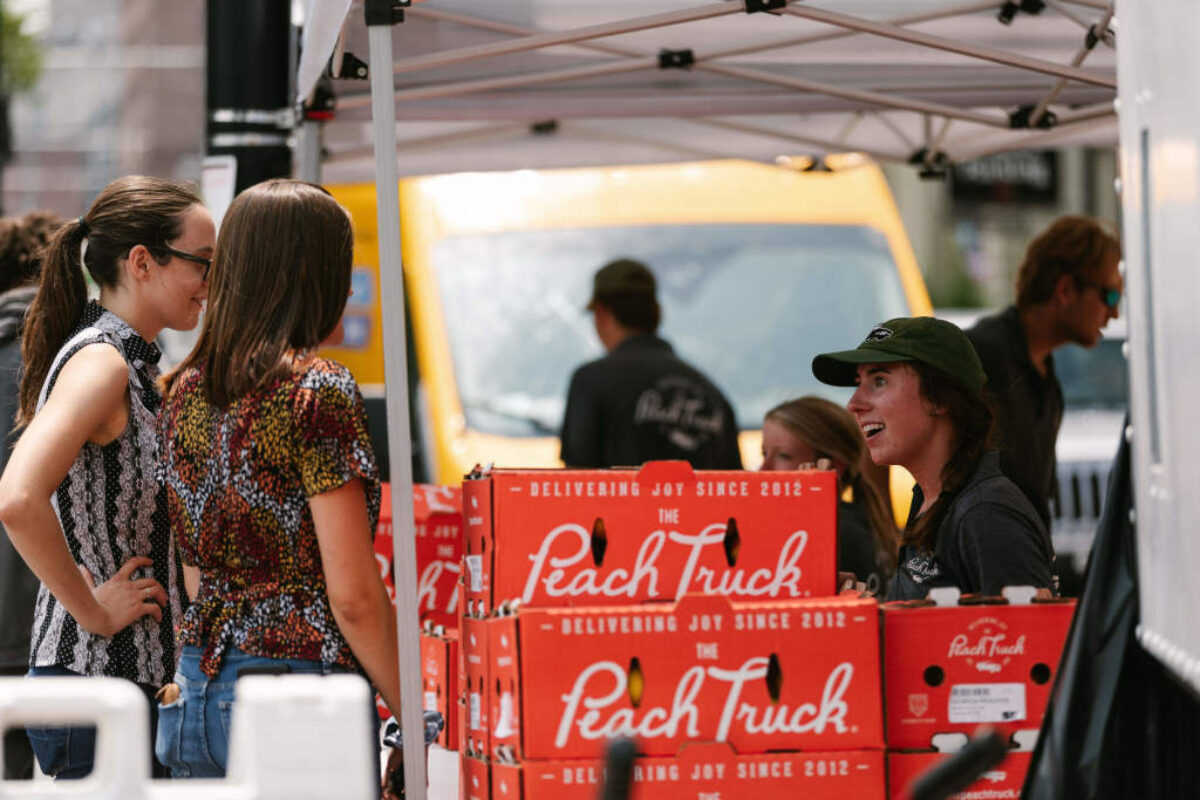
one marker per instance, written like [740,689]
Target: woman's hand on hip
[124,599]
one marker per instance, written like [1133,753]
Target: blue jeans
[193,732]
[69,753]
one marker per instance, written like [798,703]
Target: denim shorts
[69,753]
[193,732]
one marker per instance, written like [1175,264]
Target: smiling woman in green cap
[920,404]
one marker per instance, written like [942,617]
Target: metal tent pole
[380,17]
[1080,55]
[538,41]
[828,145]
[865,97]
[459,88]
[941,43]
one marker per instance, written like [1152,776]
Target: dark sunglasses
[195,259]
[1109,296]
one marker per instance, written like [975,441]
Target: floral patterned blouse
[238,481]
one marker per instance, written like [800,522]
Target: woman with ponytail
[920,403]
[808,430]
[79,497]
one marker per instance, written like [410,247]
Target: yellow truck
[759,268]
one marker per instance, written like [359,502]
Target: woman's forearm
[37,535]
[370,629]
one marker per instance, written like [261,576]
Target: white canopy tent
[483,84]
[540,83]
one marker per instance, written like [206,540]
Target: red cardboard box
[476,693]
[610,537]
[439,534]
[439,676]
[475,779]
[704,771]
[953,668]
[782,675]
[1003,781]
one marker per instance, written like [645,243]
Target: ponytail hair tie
[83,227]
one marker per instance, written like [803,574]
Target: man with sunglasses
[1068,288]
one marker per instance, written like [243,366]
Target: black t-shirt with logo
[643,403]
[990,537]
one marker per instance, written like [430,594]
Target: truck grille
[1076,507]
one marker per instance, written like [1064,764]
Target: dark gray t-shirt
[990,538]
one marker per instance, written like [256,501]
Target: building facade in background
[121,92]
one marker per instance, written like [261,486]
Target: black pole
[249,105]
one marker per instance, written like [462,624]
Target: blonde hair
[832,433]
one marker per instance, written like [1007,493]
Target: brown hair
[971,415]
[1072,245]
[635,311]
[280,279]
[22,241]
[832,433]
[130,211]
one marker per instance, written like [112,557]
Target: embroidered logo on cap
[878,334]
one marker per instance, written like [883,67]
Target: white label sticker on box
[475,567]
[987,702]
[475,723]
[431,701]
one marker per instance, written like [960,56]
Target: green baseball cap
[940,344]
[623,277]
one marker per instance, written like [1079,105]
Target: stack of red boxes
[692,611]
[950,668]
[439,536]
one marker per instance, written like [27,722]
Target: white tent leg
[308,150]
[383,129]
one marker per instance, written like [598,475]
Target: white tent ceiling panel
[476,81]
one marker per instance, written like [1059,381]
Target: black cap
[935,342]
[623,277]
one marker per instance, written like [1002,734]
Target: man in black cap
[641,402]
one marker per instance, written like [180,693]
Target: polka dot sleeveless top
[112,509]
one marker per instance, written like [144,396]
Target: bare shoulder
[97,373]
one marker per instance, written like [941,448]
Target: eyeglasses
[192,257]
[1108,295]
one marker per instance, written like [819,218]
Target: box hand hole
[636,684]
[733,542]
[934,675]
[774,679]
[1040,673]
[599,542]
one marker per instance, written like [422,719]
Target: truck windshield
[749,305]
